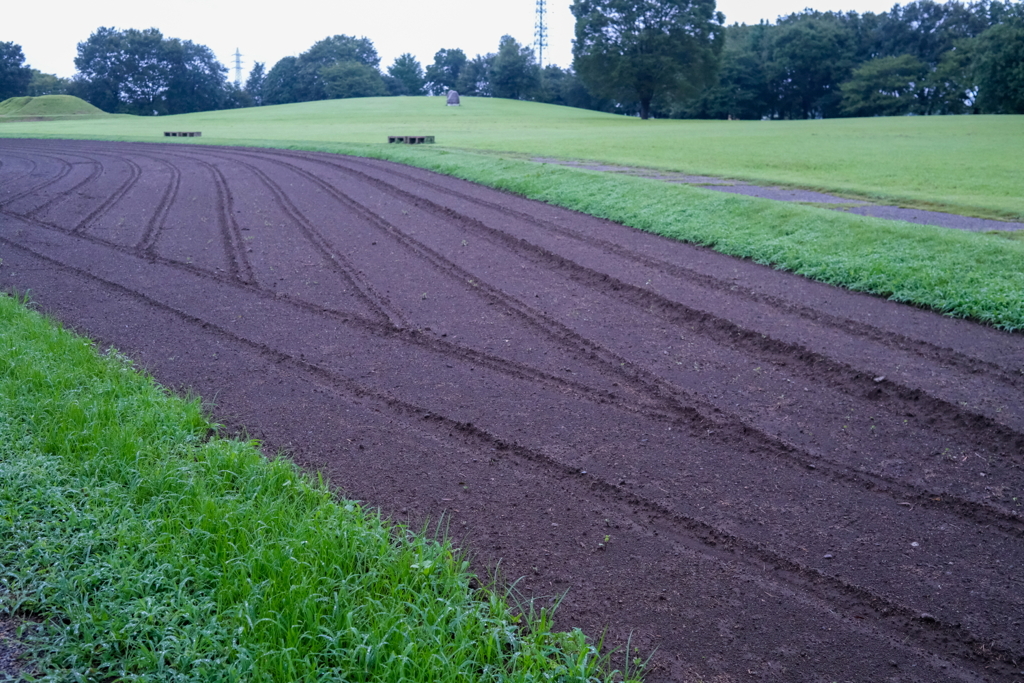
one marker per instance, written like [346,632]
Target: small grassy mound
[148,550]
[50,107]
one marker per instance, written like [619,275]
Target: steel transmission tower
[238,67]
[540,32]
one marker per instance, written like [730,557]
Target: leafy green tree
[141,72]
[443,74]
[310,84]
[743,90]
[279,85]
[636,50]
[405,76]
[352,79]
[951,87]
[887,86]
[563,87]
[14,75]
[999,68]
[812,53]
[927,29]
[254,83]
[513,72]
[475,76]
[47,84]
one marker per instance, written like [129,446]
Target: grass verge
[152,549]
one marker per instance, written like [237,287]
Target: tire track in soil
[865,331]
[33,189]
[725,331]
[882,616]
[936,413]
[818,588]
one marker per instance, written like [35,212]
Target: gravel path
[753,476]
[785,194]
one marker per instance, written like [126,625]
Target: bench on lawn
[176,134]
[411,139]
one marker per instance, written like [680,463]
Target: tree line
[662,58]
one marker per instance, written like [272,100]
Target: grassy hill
[965,164]
[47,108]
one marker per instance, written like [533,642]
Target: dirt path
[758,476]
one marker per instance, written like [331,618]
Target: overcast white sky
[49,32]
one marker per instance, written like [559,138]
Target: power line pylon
[238,67]
[540,32]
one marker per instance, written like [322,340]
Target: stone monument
[453,98]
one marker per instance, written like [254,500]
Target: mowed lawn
[967,164]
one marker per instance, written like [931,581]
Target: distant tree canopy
[15,76]
[919,58]
[304,79]
[47,84]
[638,50]
[443,74]
[141,72]
[405,76]
[254,83]
[662,58]
[514,73]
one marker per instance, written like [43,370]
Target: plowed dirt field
[758,476]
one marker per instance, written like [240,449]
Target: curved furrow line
[96,172]
[892,617]
[696,412]
[155,225]
[65,168]
[231,235]
[10,180]
[377,327]
[378,303]
[894,340]
[933,413]
[770,447]
[134,172]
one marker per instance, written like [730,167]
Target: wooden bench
[411,139]
[175,134]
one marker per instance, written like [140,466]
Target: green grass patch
[151,549]
[966,164]
[47,107]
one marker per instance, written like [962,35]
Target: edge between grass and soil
[961,274]
[977,276]
[146,546]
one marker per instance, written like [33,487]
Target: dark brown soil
[757,476]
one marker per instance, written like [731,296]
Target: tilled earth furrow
[731,480]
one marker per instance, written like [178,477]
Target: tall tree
[886,86]
[514,73]
[141,72]
[999,68]
[254,83]
[352,79]
[330,51]
[443,74]
[636,50]
[279,85]
[475,77]
[14,75]
[812,53]
[405,76]
[47,84]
